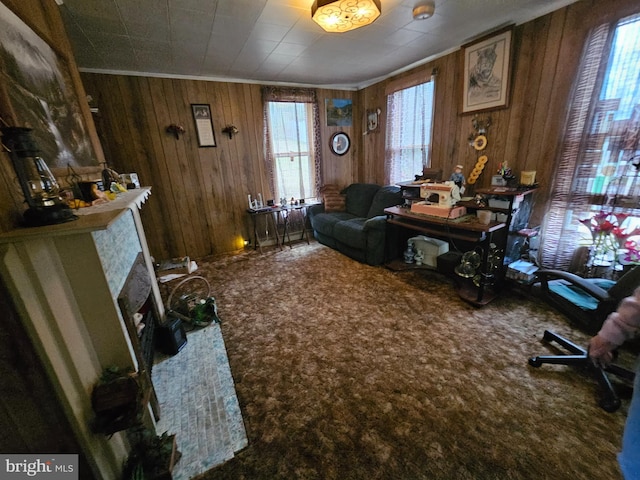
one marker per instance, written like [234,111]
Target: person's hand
[601,350]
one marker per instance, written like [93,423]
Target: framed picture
[204,124]
[339,143]
[372,120]
[339,112]
[43,95]
[487,72]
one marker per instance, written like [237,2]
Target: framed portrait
[204,124]
[487,72]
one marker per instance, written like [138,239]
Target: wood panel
[201,202]
[199,194]
[336,169]
[528,132]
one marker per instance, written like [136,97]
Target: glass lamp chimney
[39,187]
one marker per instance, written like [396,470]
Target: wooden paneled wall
[200,194]
[527,134]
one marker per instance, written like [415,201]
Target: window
[601,144]
[409,126]
[292,153]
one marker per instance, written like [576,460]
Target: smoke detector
[423,11]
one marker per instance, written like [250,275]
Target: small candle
[249,196]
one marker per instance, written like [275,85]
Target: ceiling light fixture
[337,16]
[424,11]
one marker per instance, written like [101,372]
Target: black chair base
[609,400]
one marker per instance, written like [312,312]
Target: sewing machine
[440,200]
[444,194]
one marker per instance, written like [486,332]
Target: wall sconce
[176,130]
[39,187]
[230,130]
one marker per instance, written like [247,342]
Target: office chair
[586,302]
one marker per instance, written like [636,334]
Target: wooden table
[467,229]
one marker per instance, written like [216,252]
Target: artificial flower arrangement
[612,240]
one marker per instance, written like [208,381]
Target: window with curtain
[292,142]
[597,169]
[409,126]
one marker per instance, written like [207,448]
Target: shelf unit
[518,211]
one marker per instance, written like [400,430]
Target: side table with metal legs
[268,216]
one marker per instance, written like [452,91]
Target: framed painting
[339,112]
[487,72]
[42,95]
[204,124]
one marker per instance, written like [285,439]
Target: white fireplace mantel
[65,281]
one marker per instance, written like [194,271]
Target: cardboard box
[522,271]
[431,248]
[498,203]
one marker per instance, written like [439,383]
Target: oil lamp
[39,187]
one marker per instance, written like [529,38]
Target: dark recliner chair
[586,302]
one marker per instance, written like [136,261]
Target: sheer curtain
[600,139]
[283,127]
[409,126]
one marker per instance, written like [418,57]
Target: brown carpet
[346,371]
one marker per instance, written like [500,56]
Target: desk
[466,229]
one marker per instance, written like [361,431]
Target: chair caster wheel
[535,362]
[610,405]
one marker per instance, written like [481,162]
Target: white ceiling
[275,41]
